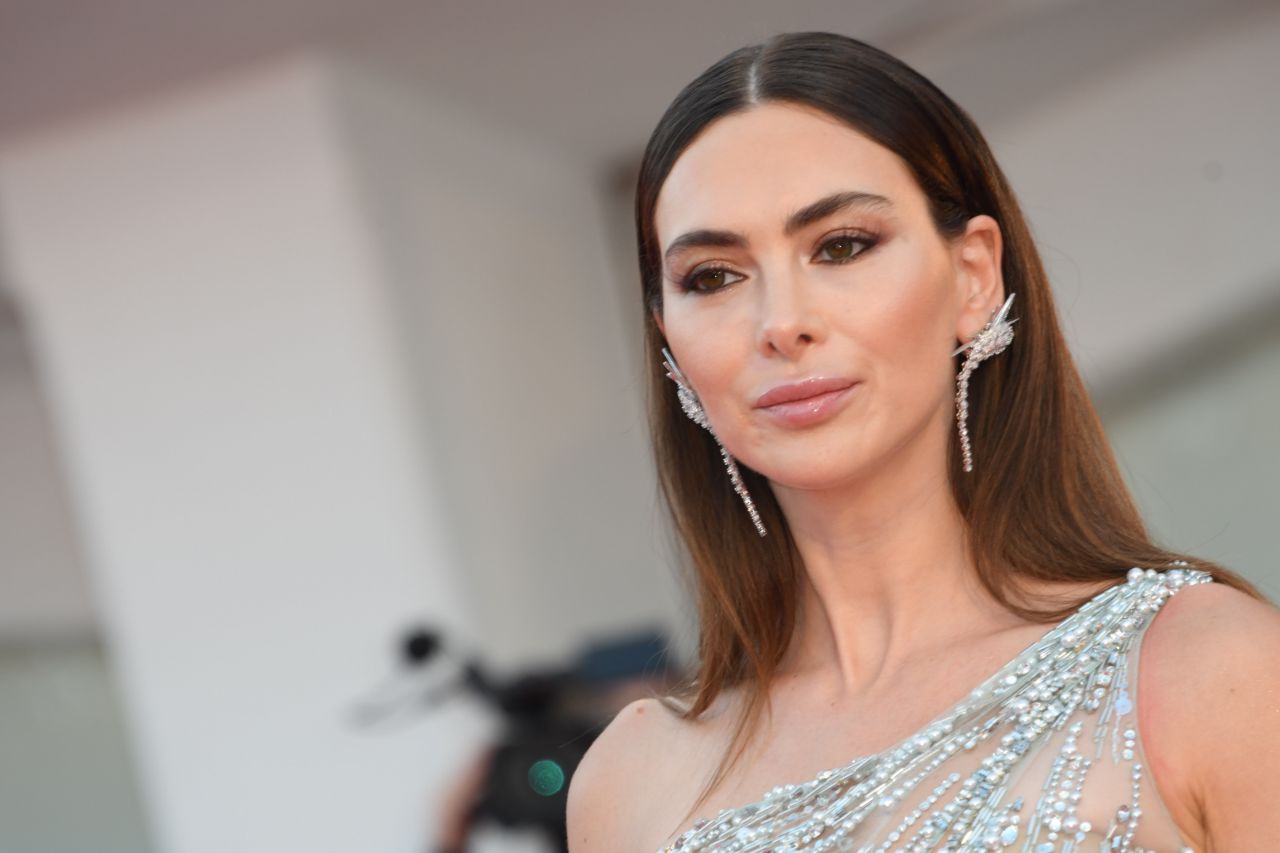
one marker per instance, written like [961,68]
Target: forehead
[749,170]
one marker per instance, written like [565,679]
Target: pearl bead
[1078,672]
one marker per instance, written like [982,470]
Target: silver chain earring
[693,408]
[994,338]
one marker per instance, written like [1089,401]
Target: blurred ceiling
[588,77]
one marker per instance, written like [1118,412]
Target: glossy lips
[808,402]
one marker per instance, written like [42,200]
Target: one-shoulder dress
[1045,756]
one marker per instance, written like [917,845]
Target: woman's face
[862,300]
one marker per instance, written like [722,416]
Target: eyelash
[869,240]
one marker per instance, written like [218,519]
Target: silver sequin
[1077,672]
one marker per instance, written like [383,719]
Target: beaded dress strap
[1077,666]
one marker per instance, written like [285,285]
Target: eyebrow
[805,216]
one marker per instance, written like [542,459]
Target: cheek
[709,351]
[908,338]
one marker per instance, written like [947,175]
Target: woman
[921,583]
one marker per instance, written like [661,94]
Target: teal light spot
[546,777]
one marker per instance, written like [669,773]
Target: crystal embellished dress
[1045,756]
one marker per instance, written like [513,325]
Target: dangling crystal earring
[993,339]
[693,408]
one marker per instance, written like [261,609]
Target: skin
[869,487]
[890,616]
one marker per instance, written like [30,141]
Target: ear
[657,318]
[979,280]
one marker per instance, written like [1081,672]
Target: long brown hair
[1048,502]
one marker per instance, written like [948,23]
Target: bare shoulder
[1210,680]
[605,789]
[1211,634]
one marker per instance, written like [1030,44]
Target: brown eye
[846,247]
[841,247]
[707,279]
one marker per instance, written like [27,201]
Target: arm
[1213,666]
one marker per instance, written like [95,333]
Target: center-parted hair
[1047,503]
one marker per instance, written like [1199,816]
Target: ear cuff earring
[692,407]
[993,339]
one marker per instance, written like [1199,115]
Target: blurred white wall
[326,350]
[513,313]
[67,775]
[1153,195]
[205,299]
[1199,448]
[41,567]
[67,780]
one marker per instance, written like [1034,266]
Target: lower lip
[810,410]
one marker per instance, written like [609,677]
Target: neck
[887,571]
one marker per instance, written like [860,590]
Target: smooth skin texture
[890,616]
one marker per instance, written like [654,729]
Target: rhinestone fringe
[1079,666]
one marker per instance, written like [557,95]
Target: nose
[789,319]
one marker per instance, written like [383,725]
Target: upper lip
[802,390]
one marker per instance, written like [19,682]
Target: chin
[814,470]
[826,481]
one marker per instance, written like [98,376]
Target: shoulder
[628,751]
[1212,635]
[1210,677]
